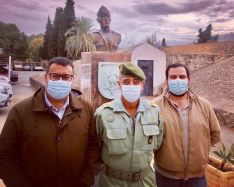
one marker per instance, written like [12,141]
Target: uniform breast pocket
[117,141]
[150,137]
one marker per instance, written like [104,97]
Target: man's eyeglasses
[65,77]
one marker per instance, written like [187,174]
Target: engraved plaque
[108,74]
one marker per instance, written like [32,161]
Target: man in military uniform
[105,39]
[129,130]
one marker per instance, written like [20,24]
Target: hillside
[206,48]
[216,83]
[226,37]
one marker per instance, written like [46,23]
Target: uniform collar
[118,106]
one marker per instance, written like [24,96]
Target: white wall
[147,52]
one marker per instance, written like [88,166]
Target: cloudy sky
[176,20]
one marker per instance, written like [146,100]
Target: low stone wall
[203,48]
[225,118]
[36,81]
[196,61]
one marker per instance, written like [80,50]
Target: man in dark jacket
[49,139]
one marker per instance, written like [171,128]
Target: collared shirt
[184,113]
[57,112]
[118,106]
[124,148]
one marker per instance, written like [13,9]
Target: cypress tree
[64,19]
[61,41]
[69,14]
[57,37]
[46,50]
[164,43]
[69,19]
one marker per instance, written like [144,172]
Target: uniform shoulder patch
[160,115]
[105,105]
[101,108]
[153,104]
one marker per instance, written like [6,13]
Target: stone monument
[105,39]
[99,72]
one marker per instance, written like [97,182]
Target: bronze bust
[105,39]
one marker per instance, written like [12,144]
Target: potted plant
[220,172]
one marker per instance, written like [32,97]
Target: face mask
[58,89]
[178,86]
[131,92]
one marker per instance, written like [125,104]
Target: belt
[125,176]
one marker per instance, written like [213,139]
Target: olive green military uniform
[128,143]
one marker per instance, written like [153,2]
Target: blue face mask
[58,89]
[178,86]
[131,92]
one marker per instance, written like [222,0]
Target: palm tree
[78,38]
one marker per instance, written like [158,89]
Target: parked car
[18,67]
[4,98]
[7,87]
[14,75]
[3,78]
[38,68]
[26,67]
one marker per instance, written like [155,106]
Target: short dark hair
[63,61]
[176,65]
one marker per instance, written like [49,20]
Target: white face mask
[131,92]
[58,89]
[178,86]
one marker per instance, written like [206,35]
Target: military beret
[130,69]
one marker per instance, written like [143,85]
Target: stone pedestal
[89,73]
[76,81]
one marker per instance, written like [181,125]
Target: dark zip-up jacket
[39,150]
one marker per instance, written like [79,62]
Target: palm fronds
[78,38]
